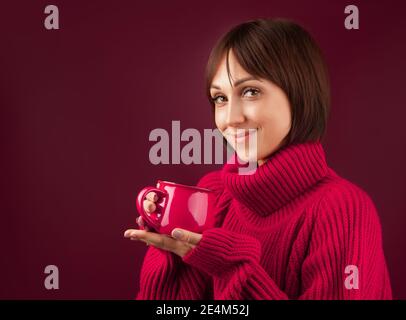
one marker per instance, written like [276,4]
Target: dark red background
[78,104]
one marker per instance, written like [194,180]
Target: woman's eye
[251,92]
[219,99]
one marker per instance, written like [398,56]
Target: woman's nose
[235,114]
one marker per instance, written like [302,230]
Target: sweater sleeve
[164,276]
[233,260]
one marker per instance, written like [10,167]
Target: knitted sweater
[292,230]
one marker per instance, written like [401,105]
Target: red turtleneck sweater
[292,230]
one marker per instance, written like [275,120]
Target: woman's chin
[246,156]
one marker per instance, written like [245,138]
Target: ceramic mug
[178,206]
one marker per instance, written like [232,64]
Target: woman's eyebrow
[236,83]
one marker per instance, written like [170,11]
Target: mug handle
[150,218]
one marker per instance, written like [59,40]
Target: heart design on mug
[197,204]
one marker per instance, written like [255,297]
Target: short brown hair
[283,52]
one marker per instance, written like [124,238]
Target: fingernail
[177,234]
[134,235]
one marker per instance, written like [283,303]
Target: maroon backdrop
[78,104]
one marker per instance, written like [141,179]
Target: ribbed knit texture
[288,231]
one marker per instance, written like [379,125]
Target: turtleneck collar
[287,173]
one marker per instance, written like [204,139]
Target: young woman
[293,229]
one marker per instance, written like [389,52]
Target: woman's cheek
[219,119]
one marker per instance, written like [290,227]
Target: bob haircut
[283,52]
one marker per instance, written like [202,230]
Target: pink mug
[178,206]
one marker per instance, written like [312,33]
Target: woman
[293,229]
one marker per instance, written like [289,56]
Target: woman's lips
[240,136]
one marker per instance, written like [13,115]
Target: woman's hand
[181,241]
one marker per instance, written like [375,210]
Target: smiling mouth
[240,136]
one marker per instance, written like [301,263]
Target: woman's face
[251,103]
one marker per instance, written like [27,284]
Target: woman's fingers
[165,242]
[142,224]
[157,240]
[127,233]
[140,221]
[149,206]
[152,196]
[186,235]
